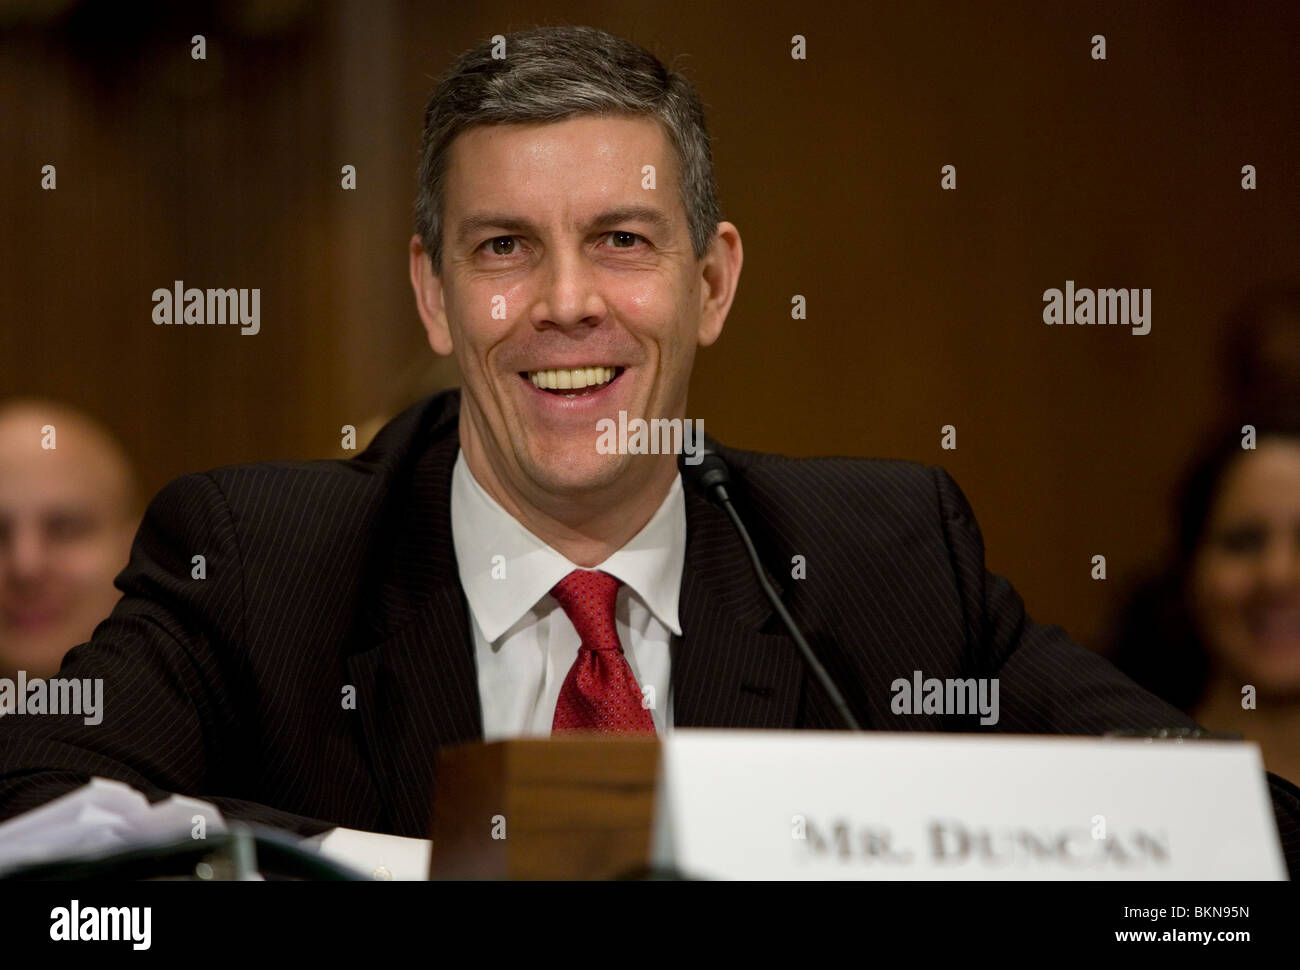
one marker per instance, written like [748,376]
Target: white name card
[833,805]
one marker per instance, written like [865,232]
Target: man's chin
[39,654]
[558,473]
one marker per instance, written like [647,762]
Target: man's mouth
[1278,627]
[29,618]
[573,381]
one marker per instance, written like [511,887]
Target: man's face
[64,535]
[561,269]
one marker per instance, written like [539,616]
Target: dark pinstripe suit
[327,574]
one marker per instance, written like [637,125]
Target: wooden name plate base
[577,807]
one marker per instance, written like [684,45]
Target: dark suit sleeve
[1048,684]
[174,681]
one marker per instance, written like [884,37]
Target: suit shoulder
[885,483]
[369,474]
[329,494]
[884,521]
[842,502]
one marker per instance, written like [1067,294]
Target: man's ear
[720,271]
[429,298]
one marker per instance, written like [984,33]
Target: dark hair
[1156,640]
[1261,349]
[555,73]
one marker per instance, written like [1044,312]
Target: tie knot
[588,597]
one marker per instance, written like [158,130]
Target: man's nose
[25,555]
[1280,568]
[569,297]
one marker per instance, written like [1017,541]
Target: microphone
[712,476]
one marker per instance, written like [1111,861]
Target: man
[440,588]
[67,514]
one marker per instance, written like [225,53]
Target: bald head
[67,515]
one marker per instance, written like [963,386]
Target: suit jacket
[334,579]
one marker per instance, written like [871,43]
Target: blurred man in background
[67,516]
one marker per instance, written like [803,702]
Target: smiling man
[569,293]
[67,513]
[484,569]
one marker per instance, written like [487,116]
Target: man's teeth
[571,379]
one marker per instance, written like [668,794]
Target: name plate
[834,805]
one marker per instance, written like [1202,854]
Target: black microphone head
[706,471]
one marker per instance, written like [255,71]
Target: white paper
[101,816]
[379,856]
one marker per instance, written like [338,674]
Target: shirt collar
[501,590]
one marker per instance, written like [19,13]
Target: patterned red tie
[600,692]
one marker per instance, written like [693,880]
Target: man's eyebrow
[647,214]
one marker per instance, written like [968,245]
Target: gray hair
[556,73]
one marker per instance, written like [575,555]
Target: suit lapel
[414,669]
[727,671]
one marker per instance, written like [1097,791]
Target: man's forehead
[598,136]
[588,164]
[55,497]
[82,471]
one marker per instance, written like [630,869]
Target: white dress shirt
[524,643]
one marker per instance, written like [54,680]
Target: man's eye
[68,527]
[624,240]
[495,242]
[1244,540]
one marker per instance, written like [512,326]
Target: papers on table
[101,817]
[382,857]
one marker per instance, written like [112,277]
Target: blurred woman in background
[1218,633]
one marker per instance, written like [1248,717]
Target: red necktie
[600,692]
